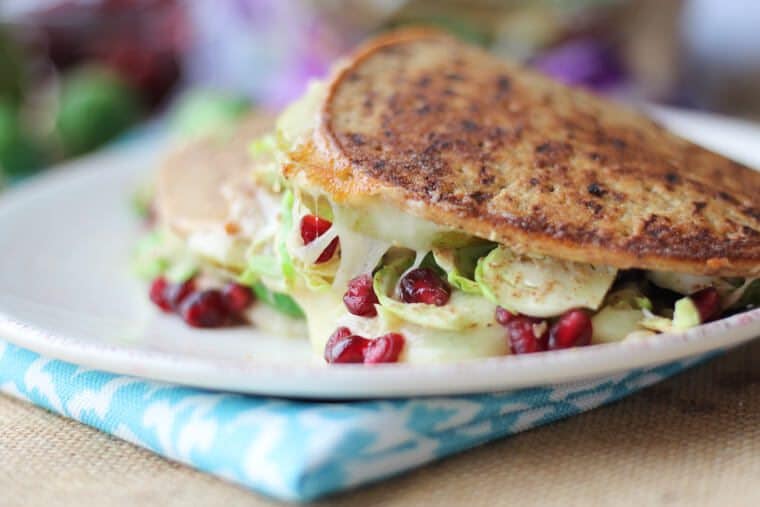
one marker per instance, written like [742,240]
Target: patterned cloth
[298,450]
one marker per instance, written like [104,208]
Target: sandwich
[437,203]
[215,205]
[467,207]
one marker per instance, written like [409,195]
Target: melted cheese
[325,313]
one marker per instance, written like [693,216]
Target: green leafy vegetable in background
[95,106]
[20,154]
[464,29]
[11,71]
[202,112]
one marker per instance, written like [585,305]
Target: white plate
[66,292]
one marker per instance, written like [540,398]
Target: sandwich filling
[216,212]
[378,284]
[372,274]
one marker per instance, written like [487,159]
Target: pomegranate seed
[423,285]
[360,298]
[573,329]
[527,334]
[503,316]
[328,252]
[237,297]
[158,293]
[313,227]
[707,302]
[176,293]
[168,296]
[340,334]
[205,309]
[344,347]
[384,349]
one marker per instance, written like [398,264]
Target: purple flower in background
[266,49]
[582,62]
[269,49]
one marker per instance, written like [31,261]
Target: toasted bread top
[447,132]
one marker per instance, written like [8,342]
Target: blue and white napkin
[297,450]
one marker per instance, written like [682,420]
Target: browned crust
[452,134]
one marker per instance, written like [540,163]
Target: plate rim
[332,382]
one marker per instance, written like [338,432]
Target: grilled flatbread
[430,202]
[446,132]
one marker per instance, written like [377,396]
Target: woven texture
[300,450]
[693,440]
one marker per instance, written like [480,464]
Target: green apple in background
[95,106]
[11,71]
[20,153]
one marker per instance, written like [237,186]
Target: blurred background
[77,74]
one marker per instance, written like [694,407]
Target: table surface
[692,440]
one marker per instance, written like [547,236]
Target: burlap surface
[691,441]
